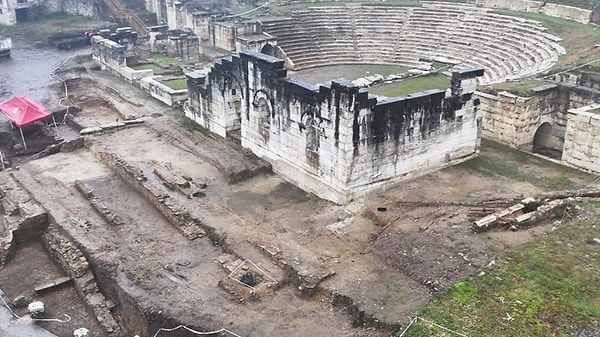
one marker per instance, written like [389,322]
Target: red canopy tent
[24,111]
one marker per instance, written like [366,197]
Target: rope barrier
[7,306]
[201,333]
[417,318]
[52,319]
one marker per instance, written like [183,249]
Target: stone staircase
[125,16]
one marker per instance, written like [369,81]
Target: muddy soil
[28,71]
[32,266]
[340,270]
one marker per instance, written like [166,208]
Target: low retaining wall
[162,92]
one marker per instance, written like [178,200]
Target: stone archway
[545,142]
[268,50]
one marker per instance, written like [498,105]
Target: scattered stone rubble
[22,218]
[171,208]
[531,210]
[375,79]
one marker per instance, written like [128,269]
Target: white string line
[6,305]
[442,327]
[274,281]
[195,332]
[52,319]
[416,318]
[408,326]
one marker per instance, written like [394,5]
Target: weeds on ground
[43,28]
[546,288]
[176,84]
[412,85]
[192,126]
[164,59]
[497,160]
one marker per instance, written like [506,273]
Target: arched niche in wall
[545,142]
[232,90]
[263,107]
[268,50]
[312,129]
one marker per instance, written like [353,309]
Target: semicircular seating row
[506,47]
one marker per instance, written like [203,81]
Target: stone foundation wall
[162,92]
[172,209]
[74,7]
[176,44]
[582,139]
[64,250]
[513,120]
[21,217]
[336,141]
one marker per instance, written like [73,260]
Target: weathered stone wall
[198,23]
[73,7]
[237,36]
[595,17]
[8,14]
[567,12]
[64,250]
[582,140]
[162,92]
[336,141]
[175,43]
[589,79]
[222,35]
[108,53]
[257,43]
[21,217]
[514,120]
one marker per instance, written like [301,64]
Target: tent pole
[23,137]
[56,127]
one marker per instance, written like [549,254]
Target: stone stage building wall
[559,116]
[336,140]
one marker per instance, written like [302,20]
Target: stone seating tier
[504,46]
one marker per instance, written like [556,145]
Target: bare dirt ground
[341,270]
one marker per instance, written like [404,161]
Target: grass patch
[325,74]
[78,61]
[176,84]
[43,28]
[192,126]
[164,59]
[497,160]
[412,85]
[520,88]
[548,288]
